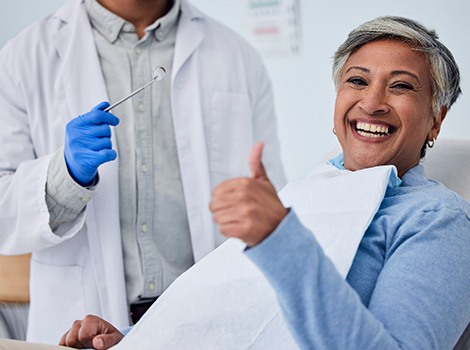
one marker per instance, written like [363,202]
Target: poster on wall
[273,26]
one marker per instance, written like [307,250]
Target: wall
[17,14]
[302,84]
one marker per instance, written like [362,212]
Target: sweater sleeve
[409,309]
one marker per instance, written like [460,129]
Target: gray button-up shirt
[154,224]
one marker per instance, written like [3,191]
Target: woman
[408,286]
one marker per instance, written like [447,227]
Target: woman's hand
[91,332]
[248,208]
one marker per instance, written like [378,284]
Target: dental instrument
[157,75]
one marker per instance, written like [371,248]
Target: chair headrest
[449,162]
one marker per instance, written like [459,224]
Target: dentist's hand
[91,332]
[248,208]
[88,143]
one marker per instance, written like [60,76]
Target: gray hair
[445,76]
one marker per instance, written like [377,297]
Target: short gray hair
[445,76]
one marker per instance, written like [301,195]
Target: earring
[430,143]
[334,131]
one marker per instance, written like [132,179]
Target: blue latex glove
[88,143]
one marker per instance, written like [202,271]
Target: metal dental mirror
[157,75]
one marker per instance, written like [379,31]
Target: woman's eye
[357,81]
[402,86]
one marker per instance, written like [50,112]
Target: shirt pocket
[231,133]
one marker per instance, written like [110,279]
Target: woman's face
[383,110]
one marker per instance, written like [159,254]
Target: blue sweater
[408,286]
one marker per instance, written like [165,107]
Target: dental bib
[224,302]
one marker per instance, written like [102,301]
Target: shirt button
[127,27]
[144,168]
[159,35]
[138,51]
[152,286]
[144,228]
[141,107]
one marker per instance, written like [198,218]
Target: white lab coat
[222,104]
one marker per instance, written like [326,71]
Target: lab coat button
[141,107]
[152,286]
[144,228]
[144,168]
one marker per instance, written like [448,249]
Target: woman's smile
[372,130]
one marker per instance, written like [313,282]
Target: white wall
[17,14]
[302,84]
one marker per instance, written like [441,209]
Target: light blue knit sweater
[408,287]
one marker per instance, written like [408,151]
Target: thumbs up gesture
[248,208]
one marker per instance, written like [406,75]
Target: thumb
[101,106]
[105,341]
[254,161]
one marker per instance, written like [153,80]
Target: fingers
[97,117]
[231,185]
[91,332]
[255,163]
[90,159]
[82,129]
[71,338]
[88,141]
[246,208]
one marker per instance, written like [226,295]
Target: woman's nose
[374,101]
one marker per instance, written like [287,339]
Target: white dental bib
[224,302]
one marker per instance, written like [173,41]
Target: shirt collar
[110,25]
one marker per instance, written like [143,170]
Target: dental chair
[14,296]
[449,162]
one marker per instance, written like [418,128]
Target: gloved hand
[88,143]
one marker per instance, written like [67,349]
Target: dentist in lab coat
[219,103]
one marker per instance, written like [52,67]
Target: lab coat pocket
[231,134]
[55,289]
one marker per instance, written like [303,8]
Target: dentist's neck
[141,13]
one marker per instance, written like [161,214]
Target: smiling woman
[395,83]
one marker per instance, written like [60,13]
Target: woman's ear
[436,128]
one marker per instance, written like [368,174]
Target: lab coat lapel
[80,74]
[189,130]
[189,35]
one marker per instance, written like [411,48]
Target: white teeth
[368,134]
[371,130]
